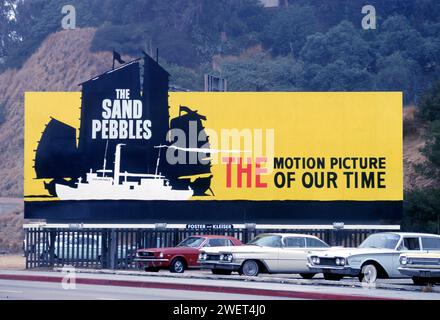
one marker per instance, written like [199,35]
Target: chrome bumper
[150,260]
[346,270]
[419,272]
[215,265]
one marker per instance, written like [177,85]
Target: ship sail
[76,170]
[56,155]
[155,101]
[195,171]
[94,91]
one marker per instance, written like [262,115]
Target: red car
[182,257]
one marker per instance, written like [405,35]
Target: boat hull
[83,192]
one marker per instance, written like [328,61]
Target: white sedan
[269,253]
[377,257]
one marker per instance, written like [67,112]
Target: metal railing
[102,248]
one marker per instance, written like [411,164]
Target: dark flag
[117,57]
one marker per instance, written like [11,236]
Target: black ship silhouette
[140,170]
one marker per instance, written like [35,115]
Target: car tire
[177,266]
[369,273]
[221,272]
[307,275]
[250,268]
[419,281]
[44,258]
[332,277]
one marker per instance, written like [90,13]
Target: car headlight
[203,256]
[226,257]
[404,260]
[340,261]
[161,255]
[316,260]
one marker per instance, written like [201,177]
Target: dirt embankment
[413,143]
[62,62]
[11,231]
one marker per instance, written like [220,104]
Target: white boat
[101,187]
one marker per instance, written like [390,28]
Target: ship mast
[116,172]
[157,163]
[105,159]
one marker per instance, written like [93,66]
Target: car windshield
[193,242]
[266,241]
[381,240]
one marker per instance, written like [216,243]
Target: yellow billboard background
[304,124]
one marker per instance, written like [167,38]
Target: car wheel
[419,281]
[307,275]
[221,272]
[250,268]
[368,273]
[44,258]
[177,266]
[332,277]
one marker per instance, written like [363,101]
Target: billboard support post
[52,240]
[159,227]
[250,231]
[112,251]
[104,251]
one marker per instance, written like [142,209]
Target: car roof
[411,234]
[289,235]
[210,236]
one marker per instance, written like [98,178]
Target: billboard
[124,149]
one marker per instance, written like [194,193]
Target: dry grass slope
[413,142]
[60,64]
[11,232]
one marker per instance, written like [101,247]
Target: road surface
[26,290]
[49,286]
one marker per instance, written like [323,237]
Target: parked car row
[381,255]
[80,247]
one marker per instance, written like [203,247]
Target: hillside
[11,231]
[64,60]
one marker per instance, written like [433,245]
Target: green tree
[342,42]
[430,104]
[8,25]
[288,30]
[422,211]
[260,73]
[36,19]
[422,207]
[2,114]
[397,35]
[432,148]
[338,76]
[396,73]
